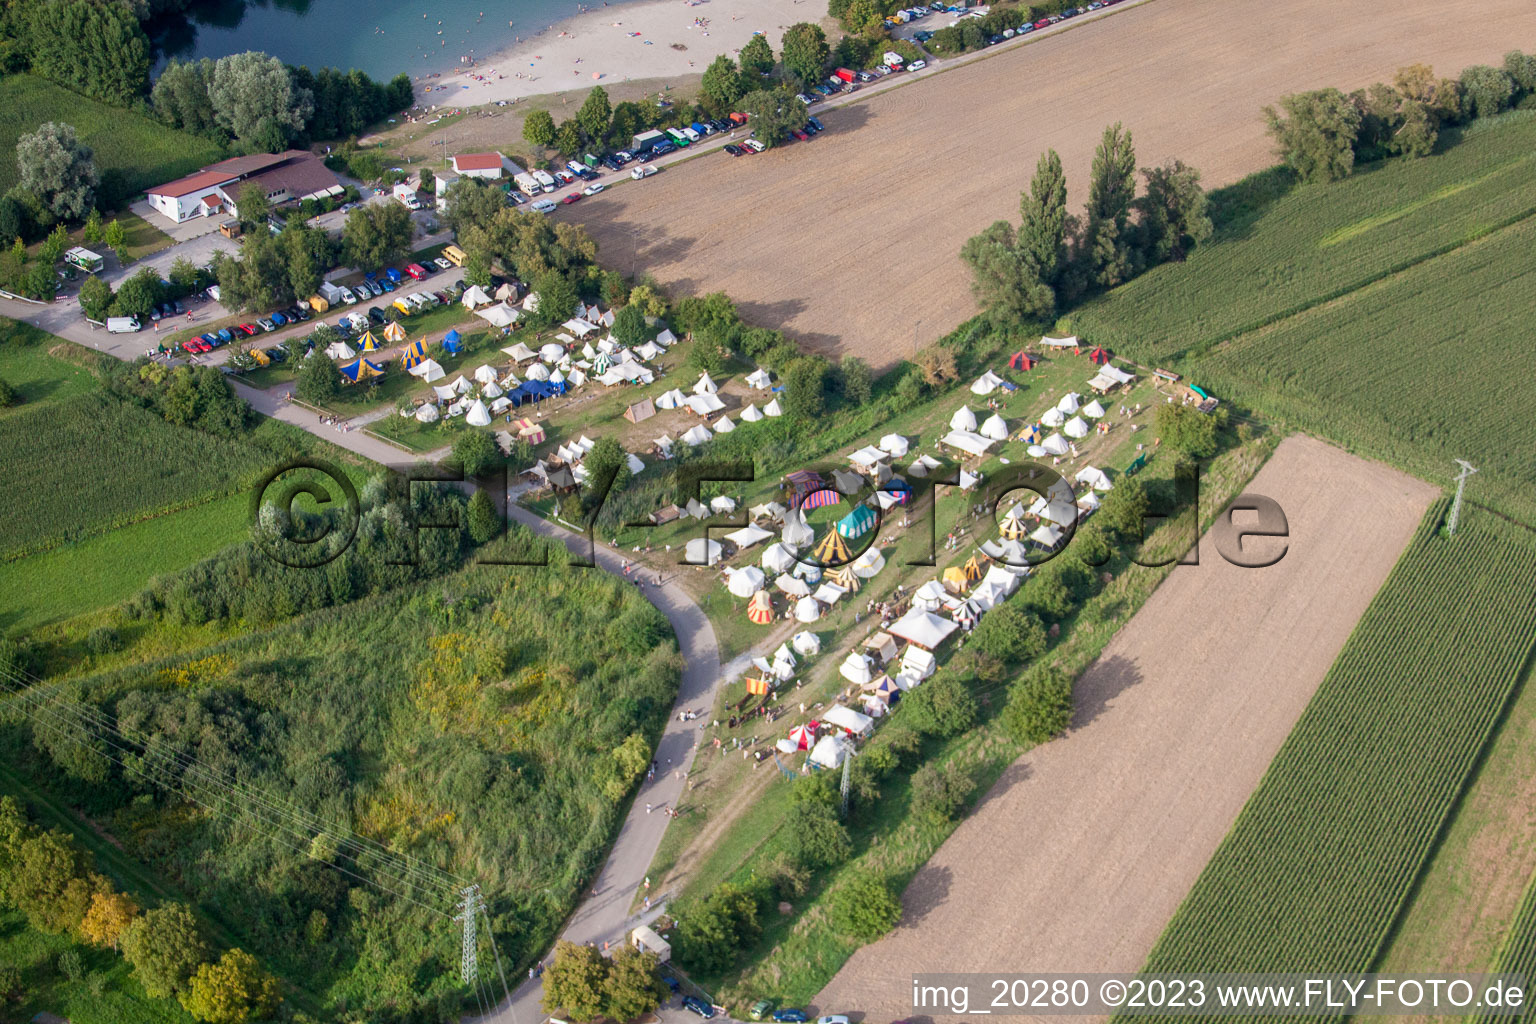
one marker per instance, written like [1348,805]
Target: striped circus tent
[368,342]
[414,354]
[833,549]
[846,578]
[820,498]
[394,333]
[857,523]
[360,370]
[760,610]
[973,569]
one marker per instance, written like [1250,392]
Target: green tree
[94,48]
[595,114]
[608,456]
[1010,634]
[10,983]
[805,388]
[117,240]
[109,916]
[95,297]
[1173,212]
[633,987]
[576,982]
[568,138]
[1488,90]
[51,251]
[711,935]
[1003,280]
[235,990]
[805,52]
[93,228]
[629,326]
[253,95]
[1315,133]
[377,235]
[49,880]
[942,707]
[1124,509]
[483,522]
[1045,222]
[138,294]
[1186,429]
[539,128]
[319,380]
[253,206]
[557,299]
[474,204]
[756,61]
[165,947]
[858,382]
[940,791]
[1111,189]
[816,839]
[475,451]
[180,96]
[1039,705]
[722,86]
[57,167]
[1418,131]
[865,908]
[1521,68]
[184,274]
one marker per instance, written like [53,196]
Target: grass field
[133,152]
[1518,954]
[1320,862]
[38,376]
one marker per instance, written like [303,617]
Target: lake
[382,39]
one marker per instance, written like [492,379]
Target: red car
[416,271]
[800,135]
[571,198]
[249,330]
[1043,23]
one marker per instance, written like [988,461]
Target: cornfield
[1321,859]
[1518,954]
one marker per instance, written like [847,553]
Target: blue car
[394,275]
[386,284]
[790,1016]
[211,339]
[225,336]
[278,319]
[699,1006]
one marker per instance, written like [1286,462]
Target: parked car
[225,337]
[799,134]
[593,189]
[208,339]
[1043,23]
[416,270]
[277,353]
[376,316]
[663,148]
[832,1018]
[443,264]
[760,1009]
[815,124]
[753,145]
[266,325]
[544,206]
[917,65]
[564,177]
[278,319]
[790,1016]
[733,150]
[703,1009]
[386,284]
[803,98]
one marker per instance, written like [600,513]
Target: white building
[215,190]
[489,166]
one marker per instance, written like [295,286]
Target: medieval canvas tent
[428,370]
[1070,402]
[986,383]
[1055,445]
[746,581]
[478,415]
[393,332]
[1094,410]
[869,563]
[1022,360]
[857,523]
[751,414]
[963,419]
[700,551]
[760,610]
[1076,427]
[427,413]
[776,558]
[806,643]
[894,445]
[922,628]
[1095,478]
[856,669]
[759,379]
[705,386]
[793,586]
[807,610]
[832,549]
[1053,417]
[773,409]
[995,428]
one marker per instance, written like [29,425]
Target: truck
[678,137]
[845,75]
[642,143]
[894,60]
[545,179]
[406,196]
[700,128]
[122,325]
[332,294]
[84,259]
[319,304]
[643,172]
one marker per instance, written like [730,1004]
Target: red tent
[1022,360]
[1099,356]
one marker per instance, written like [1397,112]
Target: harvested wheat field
[851,241]
[1079,855]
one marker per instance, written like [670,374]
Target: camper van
[453,254]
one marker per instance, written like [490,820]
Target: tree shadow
[1235,209]
[928,891]
[1105,680]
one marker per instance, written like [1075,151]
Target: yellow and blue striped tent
[360,370]
[369,342]
[416,353]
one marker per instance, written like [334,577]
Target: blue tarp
[535,391]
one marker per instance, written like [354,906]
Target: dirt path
[1079,855]
[851,241]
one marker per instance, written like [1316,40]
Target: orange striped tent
[760,610]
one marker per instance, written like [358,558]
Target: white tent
[1055,445]
[340,350]
[499,315]
[894,445]
[759,379]
[923,465]
[968,480]
[867,458]
[829,593]
[751,414]
[650,350]
[929,597]
[747,581]
[777,558]
[922,628]
[1095,478]
[697,435]
[722,504]
[531,302]
[806,643]
[1093,410]
[633,462]
[846,718]
[666,339]
[478,415]
[704,386]
[724,425]
[794,586]
[919,663]
[474,296]
[995,428]
[461,385]
[537,371]
[1001,576]
[830,751]
[807,610]
[427,414]
[968,442]
[664,445]
[1058,510]
[702,552]
[856,669]
[576,378]
[552,353]
[580,328]
[703,405]
[520,353]
[1068,342]
[963,419]
[986,384]
[557,377]
[987,596]
[1076,427]
[695,509]
[747,536]
[486,374]
[769,510]
[428,371]
[1053,417]
[773,409]
[491,390]
[1046,536]
[1089,501]
[868,564]
[444,392]
[796,532]
[1009,552]
[1110,376]
[1070,402]
[671,400]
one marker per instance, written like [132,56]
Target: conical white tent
[855,669]
[796,533]
[339,351]
[552,353]
[491,390]
[1095,478]
[1070,402]
[702,552]
[478,415]
[1055,445]
[461,386]
[794,586]
[538,371]
[697,435]
[747,581]
[868,564]
[1053,417]
[995,428]
[894,445]
[1093,409]
[807,610]
[486,374]
[751,414]
[986,384]
[557,377]
[777,558]
[427,414]
[724,425]
[671,400]
[705,386]
[1076,427]
[963,419]
[428,370]
[722,504]
[806,643]
[773,408]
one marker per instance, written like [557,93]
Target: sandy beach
[619,43]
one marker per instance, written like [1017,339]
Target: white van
[544,206]
[122,325]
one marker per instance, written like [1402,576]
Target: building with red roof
[291,175]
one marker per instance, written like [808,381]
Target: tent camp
[478,415]
[995,428]
[773,409]
[537,371]
[986,384]
[1047,536]
[368,343]
[922,628]
[746,581]
[1070,402]
[700,551]
[428,371]
[751,414]
[848,719]
[759,379]
[894,445]
[963,419]
[967,441]
[856,669]
[552,353]
[697,434]
[1076,427]
[704,386]
[777,558]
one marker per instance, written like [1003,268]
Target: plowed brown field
[851,241]
[1077,858]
